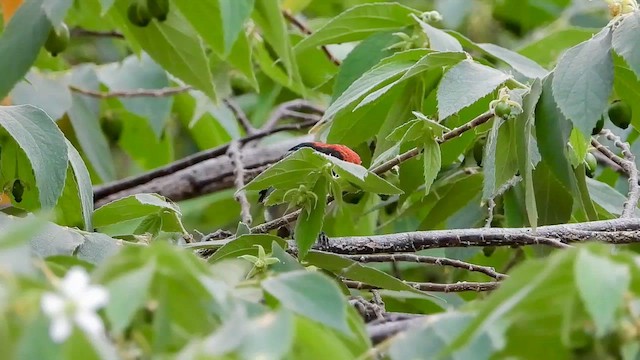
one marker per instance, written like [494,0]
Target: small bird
[338,151]
[341,152]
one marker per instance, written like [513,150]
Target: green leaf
[362,58]
[553,200]
[44,145]
[84,116]
[432,160]
[310,221]
[128,294]
[363,178]
[438,39]
[241,58]
[19,48]
[464,84]
[140,73]
[246,244]
[301,167]
[625,42]
[359,22]
[500,161]
[519,63]
[312,295]
[56,10]
[607,197]
[546,49]
[174,45]
[48,91]
[596,276]
[132,207]
[583,80]
[210,28]
[234,13]
[270,336]
[83,181]
[527,150]
[269,18]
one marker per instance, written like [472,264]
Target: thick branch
[422,259]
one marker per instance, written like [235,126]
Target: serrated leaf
[310,221]
[500,160]
[625,42]
[19,48]
[174,45]
[519,63]
[359,22]
[132,207]
[583,80]
[44,145]
[438,39]
[432,162]
[464,84]
[83,180]
[312,295]
[595,276]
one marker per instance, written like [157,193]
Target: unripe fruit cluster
[141,12]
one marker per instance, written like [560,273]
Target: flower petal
[52,304]
[60,329]
[89,322]
[93,298]
[75,282]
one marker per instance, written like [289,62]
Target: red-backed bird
[341,152]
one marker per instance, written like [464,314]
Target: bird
[338,151]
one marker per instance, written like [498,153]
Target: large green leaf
[21,41]
[132,207]
[583,80]
[438,39]
[208,27]
[464,84]
[309,223]
[234,13]
[44,145]
[519,63]
[128,294]
[546,49]
[174,45]
[310,294]
[359,22]
[625,42]
[83,183]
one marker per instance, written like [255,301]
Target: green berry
[599,125]
[159,9]
[620,114]
[591,164]
[58,39]
[502,110]
[138,14]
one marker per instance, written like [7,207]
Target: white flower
[76,301]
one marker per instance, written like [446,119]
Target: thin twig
[491,201]
[410,154]
[457,287]
[78,31]
[103,191]
[628,164]
[235,154]
[423,259]
[240,116]
[289,109]
[305,30]
[168,91]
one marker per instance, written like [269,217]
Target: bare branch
[628,164]
[290,109]
[457,287]
[240,116]
[168,91]
[241,195]
[491,202]
[78,31]
[103,191]
[376,258]
[305,30]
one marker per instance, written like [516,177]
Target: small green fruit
[138,14]
[159,9]
[58,39]
[502,110]
[591,164]
[599,125]
[478,150]
[620,113]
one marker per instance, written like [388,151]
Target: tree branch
[305,30]
[240,116]
[168,91]
[457,287]
[241,195]
[78,31]
[422,259]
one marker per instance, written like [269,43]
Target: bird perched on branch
[341,152]
[338,151]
